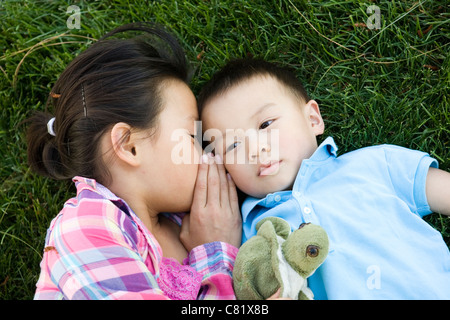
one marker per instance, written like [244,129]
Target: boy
[370,201]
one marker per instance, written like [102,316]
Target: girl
[116,107]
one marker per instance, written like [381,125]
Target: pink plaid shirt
[97,248]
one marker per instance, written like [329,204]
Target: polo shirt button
[306,210]
[277,198]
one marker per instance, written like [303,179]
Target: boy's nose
[256,151]
[264,148]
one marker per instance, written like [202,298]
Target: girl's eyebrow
[262,108]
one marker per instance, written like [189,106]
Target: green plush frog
[276,258]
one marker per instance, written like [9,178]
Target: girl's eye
[194,137]
[265,124]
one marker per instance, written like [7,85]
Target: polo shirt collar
[326,149]
[323,152]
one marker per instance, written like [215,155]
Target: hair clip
[55,95]
[84,100]
[50,127]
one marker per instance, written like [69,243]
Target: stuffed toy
[276,258]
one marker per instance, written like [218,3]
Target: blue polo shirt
[371,202]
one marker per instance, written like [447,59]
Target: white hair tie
[50,127]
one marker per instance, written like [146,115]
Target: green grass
[374,86]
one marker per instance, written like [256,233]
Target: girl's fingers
[201,185]
[213,183]
[232,193]
[224,196]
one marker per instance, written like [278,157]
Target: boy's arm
[438,191]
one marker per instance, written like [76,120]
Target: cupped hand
[215,214]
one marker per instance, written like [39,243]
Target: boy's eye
[232,146]
[265,124]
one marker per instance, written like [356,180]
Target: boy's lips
[269,169]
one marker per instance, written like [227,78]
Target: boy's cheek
[238,173]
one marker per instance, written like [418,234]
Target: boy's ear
[315,118]
[124,143]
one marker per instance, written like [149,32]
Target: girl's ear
[316,121]
[124,143]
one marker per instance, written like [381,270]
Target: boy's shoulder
[383,152]
[384,162]
[388,163]
[380,148]
[329,148]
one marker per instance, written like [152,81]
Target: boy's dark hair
[114,80]
[240,70]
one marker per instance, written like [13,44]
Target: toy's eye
[312,251]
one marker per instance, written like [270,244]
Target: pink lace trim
[179,282]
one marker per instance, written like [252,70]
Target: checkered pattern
[97,248]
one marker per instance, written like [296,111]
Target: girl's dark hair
[114,80]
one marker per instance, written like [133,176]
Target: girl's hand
[215,214]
